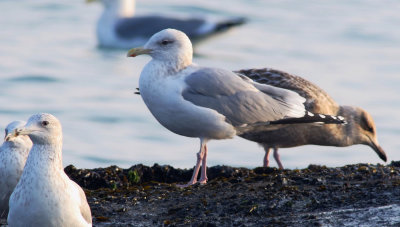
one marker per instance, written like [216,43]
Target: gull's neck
[166,68]
[349,135]
[21,145]
[111,15]
[45,157]
[171,65]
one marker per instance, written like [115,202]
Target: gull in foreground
[210,103]
[45,196]
[13,154]
[360,129]
[118,27]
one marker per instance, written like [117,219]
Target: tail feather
[312,118]
[223,25]
[137,92]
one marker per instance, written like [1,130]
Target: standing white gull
[360,129]
[45,196]
[210,103]
[119,28]
[13,154]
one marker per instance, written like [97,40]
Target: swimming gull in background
[119,28]
[360,129]
[45,196]
[210,103]
[13,154]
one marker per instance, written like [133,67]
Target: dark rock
[147,196]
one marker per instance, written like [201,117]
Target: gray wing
[235,98]
[146,26]
[317,100]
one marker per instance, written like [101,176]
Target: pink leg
[266,157]
[277,158]
[203,177]
[200,156]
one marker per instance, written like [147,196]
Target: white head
[123,8]
[11,127]
[170,46]
[17,140]
[42,129]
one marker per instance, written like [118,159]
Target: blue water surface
[49,62]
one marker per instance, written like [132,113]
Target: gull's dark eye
[45,123]
[166,42]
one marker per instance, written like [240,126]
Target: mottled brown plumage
[359,130]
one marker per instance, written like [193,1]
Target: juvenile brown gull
[360,129]
[13,154]
[210,103]
[45,196]
[118,27]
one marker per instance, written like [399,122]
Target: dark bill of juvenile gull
[360,129]
[211,103]
[118,27]
[54,199]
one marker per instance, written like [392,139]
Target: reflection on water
[50,63]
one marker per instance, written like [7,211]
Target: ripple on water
[9,111]
[104,119]
[115,119]
[154,139]
[34,79]
[106,161]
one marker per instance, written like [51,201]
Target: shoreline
[350,195]
[317,195]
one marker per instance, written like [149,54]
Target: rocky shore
[147,196]
[352,195]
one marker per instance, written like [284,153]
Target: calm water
[49,62]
